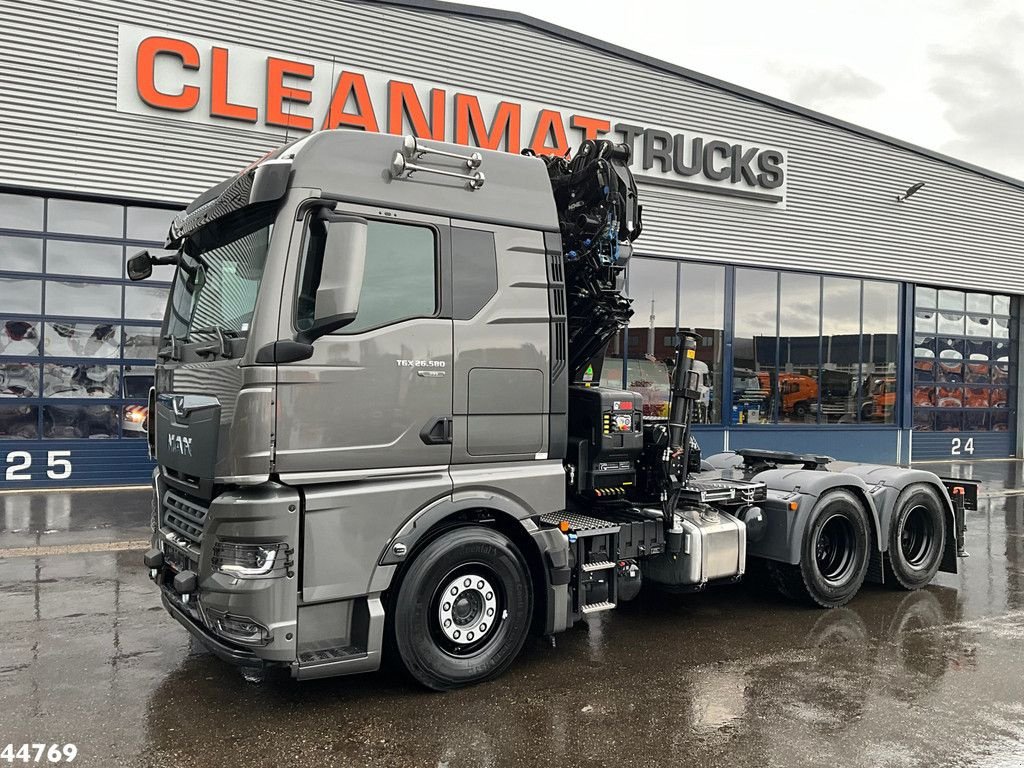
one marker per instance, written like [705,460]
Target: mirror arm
[323,327]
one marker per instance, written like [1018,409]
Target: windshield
[219,275]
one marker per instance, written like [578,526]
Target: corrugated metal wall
[59,131]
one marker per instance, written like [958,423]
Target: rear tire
[834,553]
[917,538]
[463,609]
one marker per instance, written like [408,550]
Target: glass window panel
[19,380]
[64,257]
[83,338]
[951,349]
[924,370]
[979,325]
[79,421]
[975,421]
[978,373]
[21,254]
[948,420]
[21,212]
[1000,421]
[141,341]
[924,321]
[880,351]
[161,272]
[134,421]
[612,374]
[980,303]
[999,397]
[755,384]
[78,217]
[878,406]
[1001,328]
[702,307]
[924,346]
[924,396]
[19,422]
[979,349]
[21,295]
[976,397]
[76,380]
[799,338]
[840,335]
[1001,305]
[923,421]
[399,281]
[925,298]
[20,337]
[949,396]
[149,223]
[951,300]
[145,302]
[950,372]
[951,322]
[652,286]
[89,299]
[137,380]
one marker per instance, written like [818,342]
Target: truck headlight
[252,561]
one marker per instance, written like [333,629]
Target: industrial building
[858,296]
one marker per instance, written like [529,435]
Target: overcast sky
[945,74]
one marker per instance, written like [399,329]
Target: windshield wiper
[223,346]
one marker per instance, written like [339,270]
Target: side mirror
[140,266]
[341,277]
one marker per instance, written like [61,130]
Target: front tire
[463,609]
[834,553]
[917,538]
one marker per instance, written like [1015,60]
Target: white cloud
[944,74]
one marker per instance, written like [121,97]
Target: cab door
[376,395]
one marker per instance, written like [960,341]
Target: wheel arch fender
[544,549]
[784,539]
[888,485]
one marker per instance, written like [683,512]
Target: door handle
[437,431]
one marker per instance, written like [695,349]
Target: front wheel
[834,553]
[463,609]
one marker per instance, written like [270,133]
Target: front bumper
[245,619]
[241,657]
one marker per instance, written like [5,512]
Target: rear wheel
[834,553]
[917,537]
[463,608]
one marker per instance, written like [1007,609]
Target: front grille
[184,516]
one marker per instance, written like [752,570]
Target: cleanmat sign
[184,77]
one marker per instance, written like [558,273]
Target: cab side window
[399,277]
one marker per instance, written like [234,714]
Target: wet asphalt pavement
[732,677]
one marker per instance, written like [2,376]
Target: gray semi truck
[378,423]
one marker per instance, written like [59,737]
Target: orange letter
[145,61]
[278,93]
[351,84]
[549,123]
[219,104]
[468,117]
[403,100]
[592,127]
